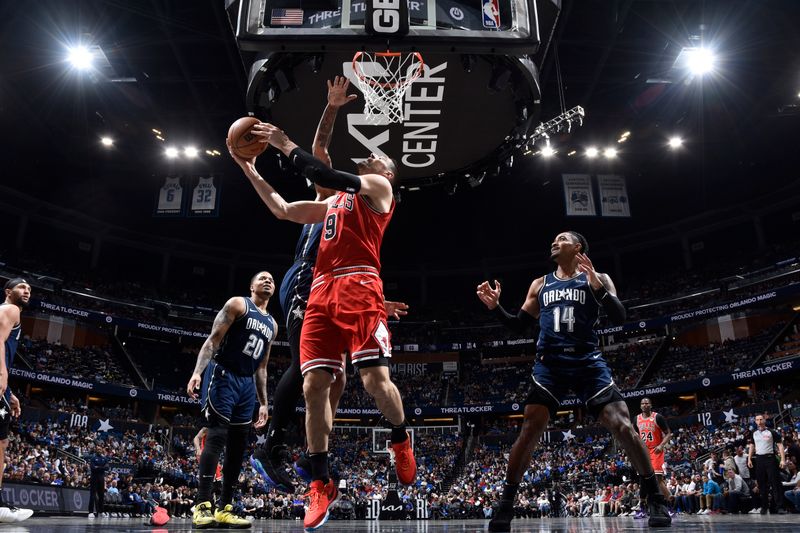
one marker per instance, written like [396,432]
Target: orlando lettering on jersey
[555,295]
[260,326]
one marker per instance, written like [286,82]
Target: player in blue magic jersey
[233,361]
[271,457]
[17,294]
[567,303]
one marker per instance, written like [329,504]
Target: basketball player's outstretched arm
[374,186]
[337,97]
[528,313]
[302,212]
[232,309]
[261,383]
[603,289]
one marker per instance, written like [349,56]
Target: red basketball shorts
[657,460]
[345,313]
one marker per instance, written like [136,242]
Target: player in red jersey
[345,311]
[655,434]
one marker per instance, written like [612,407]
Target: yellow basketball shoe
[202,516]
[225,518]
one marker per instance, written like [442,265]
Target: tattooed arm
[232,309]
[337,97]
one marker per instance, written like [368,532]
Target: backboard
[474,105]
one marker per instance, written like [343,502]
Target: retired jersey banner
[613,196]
[170,197]
[205,198]
[578,195]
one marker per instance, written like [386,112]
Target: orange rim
[387,85]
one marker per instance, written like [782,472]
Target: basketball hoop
[383,78]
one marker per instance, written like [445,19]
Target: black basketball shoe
[501,520]
[659,515]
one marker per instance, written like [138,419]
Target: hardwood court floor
[688,524]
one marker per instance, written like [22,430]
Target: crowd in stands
[582,477]
[93,363]
[644,297]
[788,346]
[689,362]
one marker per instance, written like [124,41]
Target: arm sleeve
[319,173]
[662,423]
[519,323]
[611,304]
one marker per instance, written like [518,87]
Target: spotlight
[610,153]
[107,141]
[159,137]
[190,151]
[592,152]
[80,57]
[157,132]
[571,153]
[548,151]
[171,152]
[675,142]
[700,61]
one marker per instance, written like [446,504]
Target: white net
[383,78]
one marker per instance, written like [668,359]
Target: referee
[762,445]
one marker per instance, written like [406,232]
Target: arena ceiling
[173,66]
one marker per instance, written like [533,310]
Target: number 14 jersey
[568,313]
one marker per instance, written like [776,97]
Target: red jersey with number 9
[649,431]
[352,233]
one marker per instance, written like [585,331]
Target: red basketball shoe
[404,463]
[320,498]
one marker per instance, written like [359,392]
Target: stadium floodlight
[610,153]
[80,57]
[107,141]
[190,151]
[547,150]
[592,152]
[700,60]
[171,152]
[675,142]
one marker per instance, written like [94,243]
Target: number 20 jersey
[246,341]
[568,313]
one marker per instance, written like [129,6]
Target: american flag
[286,17]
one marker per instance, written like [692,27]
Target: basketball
[242,141]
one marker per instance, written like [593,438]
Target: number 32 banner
[205,198]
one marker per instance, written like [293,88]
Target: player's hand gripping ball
[242,141]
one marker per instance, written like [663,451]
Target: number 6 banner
[205,198]
[170,197]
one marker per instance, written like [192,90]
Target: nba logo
[491,14]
